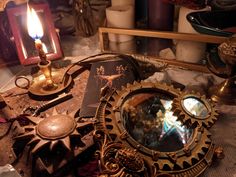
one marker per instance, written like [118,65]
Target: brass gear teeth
[189,161]
[197,155]
[34,136]
[190,120]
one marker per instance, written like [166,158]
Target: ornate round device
[152,129]
[54,134]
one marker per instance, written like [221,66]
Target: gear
[57,133]
[112,118]
[182,109]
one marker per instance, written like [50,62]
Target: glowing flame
[35,29]
[45,48]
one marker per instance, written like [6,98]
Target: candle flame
[45,48]
[35,29]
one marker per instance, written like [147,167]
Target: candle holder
[48,83]
[225,92]
[45,66]
[47,72]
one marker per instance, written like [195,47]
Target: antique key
[37,109]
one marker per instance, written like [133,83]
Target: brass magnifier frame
[123,154]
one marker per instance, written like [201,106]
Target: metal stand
[224,92]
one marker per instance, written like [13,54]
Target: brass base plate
[38,86]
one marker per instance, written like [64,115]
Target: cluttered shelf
[157,103]
[79,98]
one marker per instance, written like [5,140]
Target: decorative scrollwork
[123,154]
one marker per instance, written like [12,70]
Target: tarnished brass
[35,110]
[55,133]
[37,86]
[208,114]
[225,92]
[219,153]
[227,51]
[55,127]
[123,154]
[48,82]
[46,69]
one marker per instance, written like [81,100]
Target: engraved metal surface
[224,92]
[47,137]
[123,154]
[56,126]
[227,51]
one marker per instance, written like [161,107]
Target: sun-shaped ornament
[56,134]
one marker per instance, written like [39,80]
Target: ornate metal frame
[192,120]
[121,155]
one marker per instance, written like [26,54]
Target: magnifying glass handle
[23,78]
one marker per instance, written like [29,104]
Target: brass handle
[25,78]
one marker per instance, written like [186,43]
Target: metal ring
[22,77]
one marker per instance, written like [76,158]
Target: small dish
[219,23]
